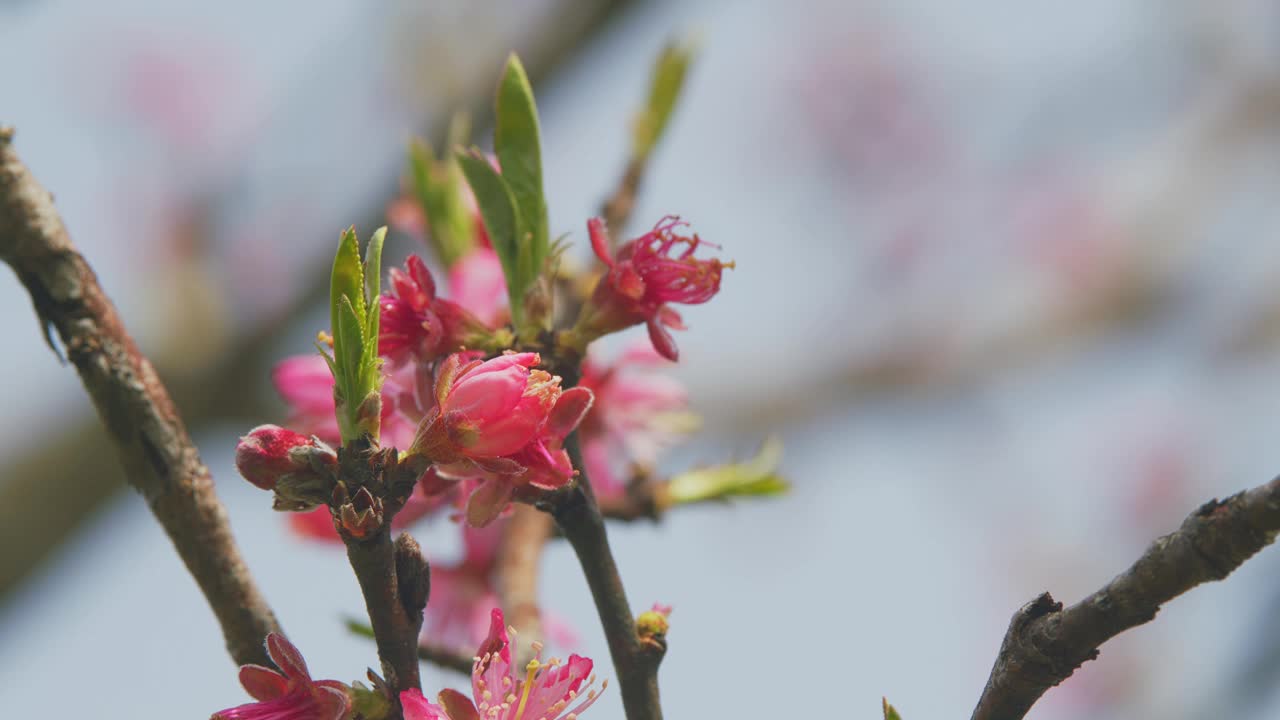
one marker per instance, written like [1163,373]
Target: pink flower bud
[270,452]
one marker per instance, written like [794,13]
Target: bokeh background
[1006,286]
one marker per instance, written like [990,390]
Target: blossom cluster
[546,690]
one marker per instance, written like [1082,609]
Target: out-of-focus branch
[518,564]
[159,458]
[579,519]
[1046,643]
[39,471]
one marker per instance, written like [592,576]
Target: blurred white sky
[1071,150]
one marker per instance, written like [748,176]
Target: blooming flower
[290,694]
[645,276]
[634,417]
[416,323]
[503,421]
[499,692]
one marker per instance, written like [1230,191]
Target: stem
[159,458]
[394,631]
[1045,643]
[579,519]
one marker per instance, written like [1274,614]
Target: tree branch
[394,577]
[1045,643]
[618,208]
[159,458]
[579,519]
[518,562]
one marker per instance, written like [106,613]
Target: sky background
[1005,285]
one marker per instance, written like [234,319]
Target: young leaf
[373,276]
[668,80]
[347,279]
[889,712]
[502,220]
[517,144]
[437,185]
[757,476]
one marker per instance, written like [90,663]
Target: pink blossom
[464,593]
[289,694]
[634,418]
[644,277]
[542,690]
[418,324]
[477,283]
[503,421]
[306,385]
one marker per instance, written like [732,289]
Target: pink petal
[662,341]
[262,683]
[286,657]
[458,706]
[600,240]
[304,381]
[488,392]
[569,411]
[417,707]
[476,282]
[487,502]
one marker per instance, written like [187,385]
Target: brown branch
[159,458]
[1045,643]
[518,562]
[617,209]
[579,519]
[394,577]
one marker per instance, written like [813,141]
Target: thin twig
[618,208]
[579,519]
[159,458]
[437,655]
[1045,643]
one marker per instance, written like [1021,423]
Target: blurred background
[1006,285]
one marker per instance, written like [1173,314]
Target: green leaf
[518,146]
[502,220]
[373,279]
[756,477]
[437,185]
[889,712]
[355,316]
[347,279]
[668,78]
